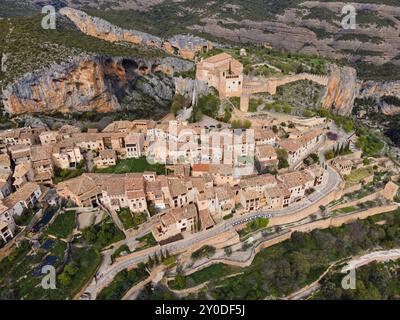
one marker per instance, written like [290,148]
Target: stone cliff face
[378,89]
[87,84]
[191,88]
[341,91]
[185,46]
[102,29]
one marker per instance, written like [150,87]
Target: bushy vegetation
[103,234]
[122,282]
[179,102]
[366,18]
[254,104]
[30,47]
[338,151]
[376,281]
[205,251]
[126,218]
[25,218]
[356,176]
[208,105]
[290,265]
[61,175]
[215,271]
[20,272]
[240,124]
[63,225]
[122,249]
[146,241]
[132,220]
[282,158]
[370,144]
[393,100]
[254,225]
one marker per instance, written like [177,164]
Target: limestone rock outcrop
[190,88]
[341,91]
[87,84]
[103,29]
[185,46]
[377,89]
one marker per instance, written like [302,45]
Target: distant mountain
[311,27]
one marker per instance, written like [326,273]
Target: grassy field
[356,176]
[133,165]
[346,210]
[146,241]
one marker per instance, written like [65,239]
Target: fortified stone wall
[388,193]
[319,224]
[290,218]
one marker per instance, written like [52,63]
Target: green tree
[287,109]
[64,279]
[282,158]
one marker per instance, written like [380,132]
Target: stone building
[222,72]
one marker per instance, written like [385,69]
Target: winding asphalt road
[332,181]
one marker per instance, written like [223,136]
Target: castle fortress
[222,72]
[225,73]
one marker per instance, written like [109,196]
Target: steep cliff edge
[341,91]
[89,84]
[385,94]
[185,46]
[102,29]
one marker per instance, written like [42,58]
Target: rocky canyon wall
[86,84]
[185,46]
[341,90]
[380,89]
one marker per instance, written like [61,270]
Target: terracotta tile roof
[21,169]
[260,180]
[224,193]
[22,194]
[108,154]
[221,169]
[290,145]
[40,153]
[4,160]
[176,214]
[262,134]
[266,151]
[296,179]
[176,187]
[4,175]
[117,126]
[251,194]
[200,167]
[274,192]
[218,58]
[206,221]
[136,194]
